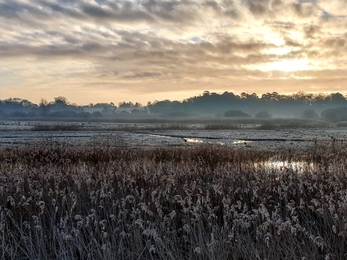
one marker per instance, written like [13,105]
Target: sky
[92,51]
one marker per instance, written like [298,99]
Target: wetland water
[14,133]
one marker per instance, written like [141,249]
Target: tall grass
[202,202]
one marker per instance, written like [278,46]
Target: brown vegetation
[184,124]
[57,127]
[202,202]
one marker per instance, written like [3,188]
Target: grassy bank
[200,202]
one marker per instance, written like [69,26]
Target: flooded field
[15,133]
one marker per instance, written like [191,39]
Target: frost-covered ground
[148,134]
[258,138]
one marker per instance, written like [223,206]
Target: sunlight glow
[286,65]
[278,51]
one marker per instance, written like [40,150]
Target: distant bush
[342,124]
[63,114]
[309,114]
[84,114]
[221,126]
[283,123]
[97,114]
[19,114]
[175,114]
[124,113]
[263,114]
[335,114]
[268,126]
[236,113]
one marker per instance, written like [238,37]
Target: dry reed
[203,202]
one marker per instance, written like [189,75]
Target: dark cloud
[17,10]
[96,11]
[258,7]
[42,51]
[150,11]
[304,9]
[142,75]
[311,30]
[227,45]
[63,50]
[292,42]
[265,8]
[336,42]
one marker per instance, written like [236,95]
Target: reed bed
[202,202]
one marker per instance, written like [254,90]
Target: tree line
[331,107]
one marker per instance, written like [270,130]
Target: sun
[286,65]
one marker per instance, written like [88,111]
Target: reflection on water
[296,166]
[192,140]
[200,141]
[241,142]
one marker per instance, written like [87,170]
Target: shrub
[67,113]
[342,124]
[97,114]
[19,114]
[335,114]
[309,114]
[263,114]
[236,113]
[84,114]
[175,114]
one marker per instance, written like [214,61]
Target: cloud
[154,46]
[145,74]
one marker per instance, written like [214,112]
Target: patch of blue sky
[193,40]
[325,14]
